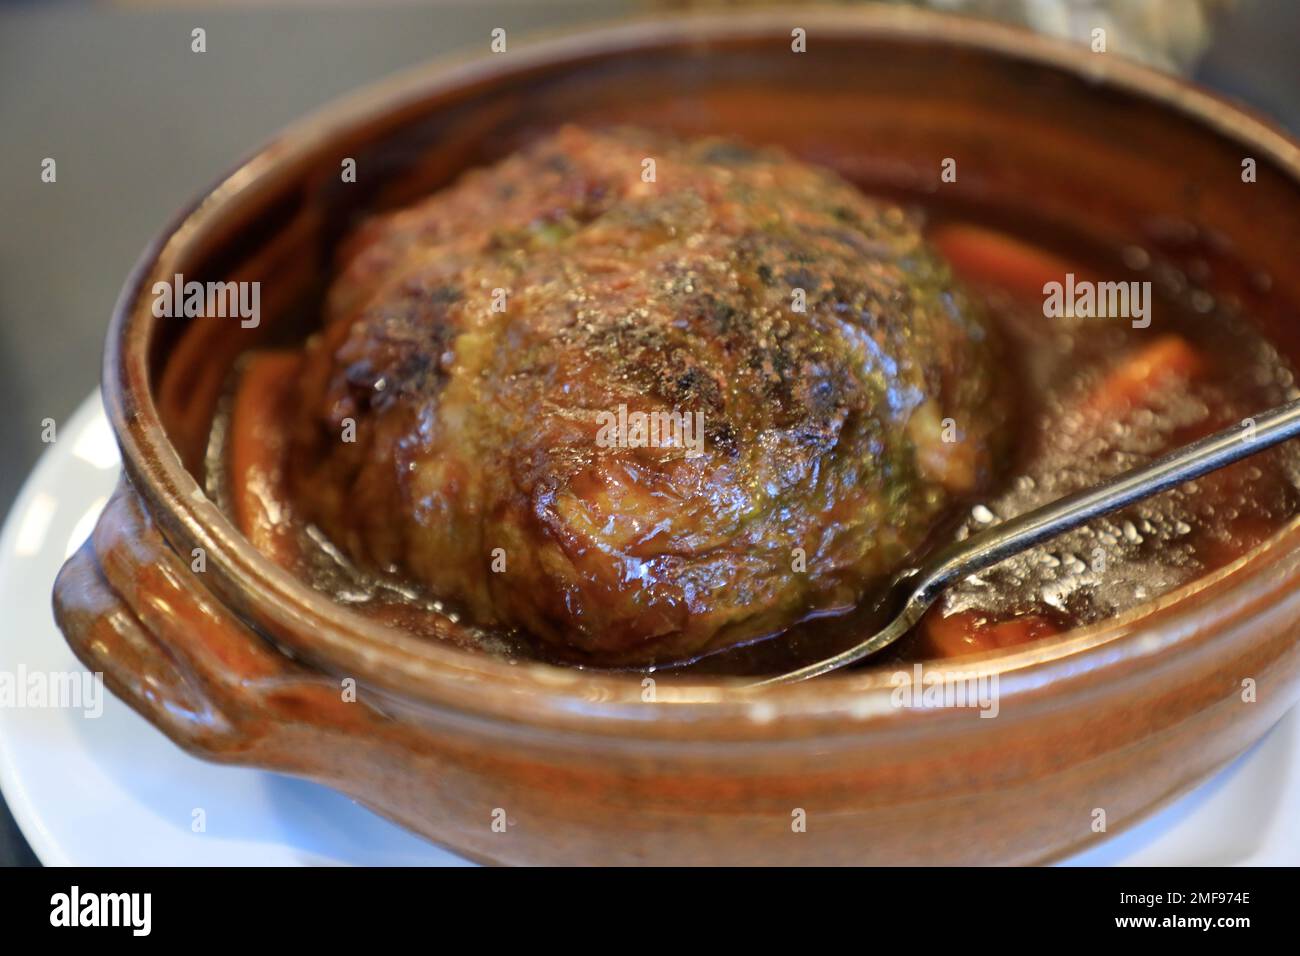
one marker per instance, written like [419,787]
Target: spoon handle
[1002,540]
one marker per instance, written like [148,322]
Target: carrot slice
[984,257]
[1142,373]
[258,449]
[967,632]
[1242,534]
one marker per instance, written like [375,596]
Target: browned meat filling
[816,387]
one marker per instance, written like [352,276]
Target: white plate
[112,790]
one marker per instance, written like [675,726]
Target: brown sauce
[1096,397]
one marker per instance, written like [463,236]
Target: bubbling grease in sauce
[1096,397]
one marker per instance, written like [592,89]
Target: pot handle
[134,611]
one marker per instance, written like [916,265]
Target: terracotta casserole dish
[522,763]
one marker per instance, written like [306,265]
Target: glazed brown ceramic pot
[240,662]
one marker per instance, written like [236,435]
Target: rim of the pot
[481,687]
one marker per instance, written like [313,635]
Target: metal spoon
[1010,537]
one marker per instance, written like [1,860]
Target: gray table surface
[137,123]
